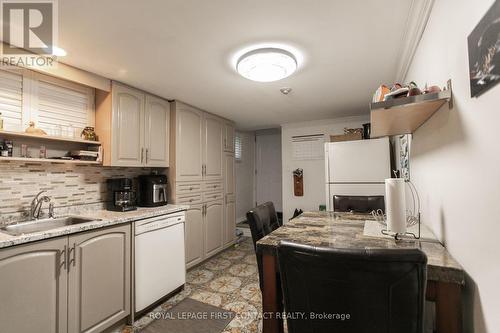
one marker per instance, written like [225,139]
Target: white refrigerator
[356,168]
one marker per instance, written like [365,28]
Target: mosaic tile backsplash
[67,185]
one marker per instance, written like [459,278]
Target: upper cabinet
[199,139]
[133,127]
[229,136]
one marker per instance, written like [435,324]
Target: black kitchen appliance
[121,196]
[152,190]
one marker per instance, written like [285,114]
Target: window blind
[62,106]
[11,100]
[237,147]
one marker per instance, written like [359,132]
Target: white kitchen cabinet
[188,157]
[99,279]
[214,224]
[212,147]
[194,235]
[33,288]
[133,127]
[127,122]
[229,137]
[156,132]
[229,220]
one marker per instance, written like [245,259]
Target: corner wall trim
[418,15]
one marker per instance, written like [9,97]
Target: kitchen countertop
[107,218]
[345,230]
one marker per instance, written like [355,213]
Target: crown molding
[418,15]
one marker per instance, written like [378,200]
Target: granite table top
[103,218]
[345,230]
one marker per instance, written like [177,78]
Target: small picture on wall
[484,52]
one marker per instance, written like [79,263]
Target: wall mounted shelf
[46,160]
[22,135]
[404,115]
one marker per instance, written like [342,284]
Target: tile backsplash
[66,184]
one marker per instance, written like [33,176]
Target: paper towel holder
[412,218]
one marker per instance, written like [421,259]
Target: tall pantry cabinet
[199,177]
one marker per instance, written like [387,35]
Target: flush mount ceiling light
[266,64]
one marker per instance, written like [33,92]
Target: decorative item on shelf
[380,93]
[431,90]
[298,182]
[43,152]
[9,145]
[33,130]
[413,89]
[24,150]
[84,155]
[3,150]
[88,133]
[484,52]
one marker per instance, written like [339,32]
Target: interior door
[157,118]
[268,169]
[189,143]
[214,224]
[99,279]
[33,288]
[128,126]
[194,235]
[213,148]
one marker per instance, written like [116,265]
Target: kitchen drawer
[209,196]
[212,186]
[188,187]
[189,199]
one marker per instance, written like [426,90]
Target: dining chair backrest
[358,203]
[274,221]
[370,290]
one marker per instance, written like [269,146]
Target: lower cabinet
[194,235]
[229,220]
[33,288]
[98,279]
[214,224]
[79,283]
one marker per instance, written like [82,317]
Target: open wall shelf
[404,115]
[22,135]
[47,160]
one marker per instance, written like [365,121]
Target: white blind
[237,147]
[11,100]
[58,105]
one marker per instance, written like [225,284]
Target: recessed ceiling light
[57,51]
[266,64]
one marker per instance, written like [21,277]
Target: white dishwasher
[159,258]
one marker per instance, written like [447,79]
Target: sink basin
[43,225]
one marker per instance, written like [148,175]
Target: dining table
[445,276]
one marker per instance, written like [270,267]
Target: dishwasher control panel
[159,222]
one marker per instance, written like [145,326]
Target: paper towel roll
[395,205]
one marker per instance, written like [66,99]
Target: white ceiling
[183,49]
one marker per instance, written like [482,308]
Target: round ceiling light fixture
[266,64]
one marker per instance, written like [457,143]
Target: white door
[128,125]
[194,235]
[212,153]
[189,143]
[363,161]
[268,169]
[157,119]
[214,224]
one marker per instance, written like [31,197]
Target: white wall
[245,176]
[314,170]
[455,160]
[268,167]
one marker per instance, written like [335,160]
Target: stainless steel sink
[43,225]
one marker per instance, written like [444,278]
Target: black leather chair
[381,290]
[358,203]
[261,223]
[274,222]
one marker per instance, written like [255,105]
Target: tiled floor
[229,280]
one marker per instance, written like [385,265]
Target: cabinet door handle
[73,259]
[63,254]
[147,152]
[142,154]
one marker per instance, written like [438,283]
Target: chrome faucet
[36,206]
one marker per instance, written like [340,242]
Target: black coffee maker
[121,196]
